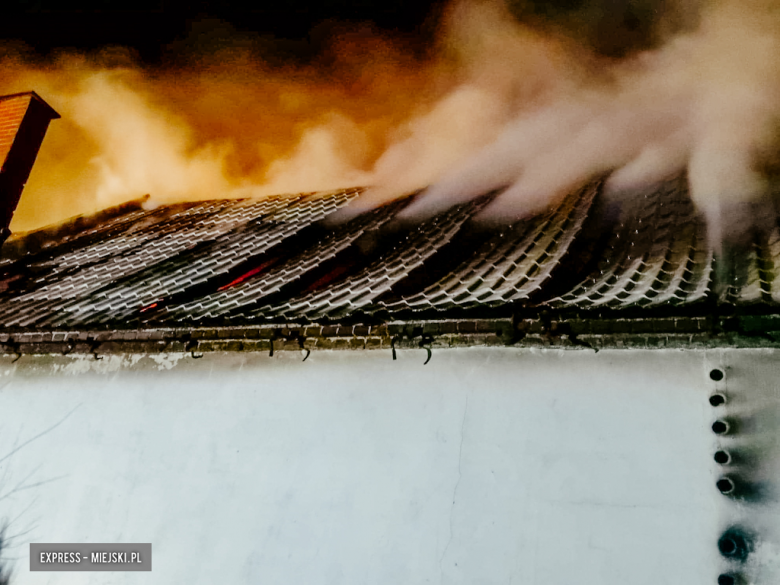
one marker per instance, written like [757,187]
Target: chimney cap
[52,112]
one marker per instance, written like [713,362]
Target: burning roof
[259,263]
[238,268]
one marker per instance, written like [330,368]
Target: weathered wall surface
[486,466]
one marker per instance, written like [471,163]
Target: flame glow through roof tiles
[273,260]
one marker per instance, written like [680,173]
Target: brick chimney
[24,119]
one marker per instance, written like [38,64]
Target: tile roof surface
[274,260]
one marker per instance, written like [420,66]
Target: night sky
[156,29]
[159,30]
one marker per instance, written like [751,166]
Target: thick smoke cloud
[227,118]
[529,98]
[706,100]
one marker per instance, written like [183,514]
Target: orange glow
[225,125]
[494,105]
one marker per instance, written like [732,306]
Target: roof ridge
[21,243]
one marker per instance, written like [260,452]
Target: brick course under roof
[273,264]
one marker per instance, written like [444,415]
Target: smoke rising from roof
[530,98]
[706,100]
[225,123]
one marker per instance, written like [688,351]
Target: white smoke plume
[499,104]
[707,100]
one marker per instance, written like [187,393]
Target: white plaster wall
[486,466]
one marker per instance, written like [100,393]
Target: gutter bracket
[14,346]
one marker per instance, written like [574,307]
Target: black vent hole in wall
[717,399]
[722,457]
[726,485]
[720,427]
